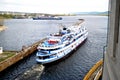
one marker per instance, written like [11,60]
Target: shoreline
[2,28]
[26,51]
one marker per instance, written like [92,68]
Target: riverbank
[7,54]
[2,28]
[26,51]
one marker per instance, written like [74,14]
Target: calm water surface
[27,31]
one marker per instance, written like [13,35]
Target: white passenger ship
[58,45]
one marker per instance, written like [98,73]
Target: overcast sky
[54,6]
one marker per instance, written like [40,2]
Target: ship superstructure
[58,45]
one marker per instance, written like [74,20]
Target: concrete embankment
[19,55]
[32,74]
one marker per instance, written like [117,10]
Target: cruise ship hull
[64,51]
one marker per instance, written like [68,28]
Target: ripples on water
[26,31]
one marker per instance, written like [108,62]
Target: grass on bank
[6,55]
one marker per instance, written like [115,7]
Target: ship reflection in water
[72,68]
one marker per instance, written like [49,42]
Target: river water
[27,31]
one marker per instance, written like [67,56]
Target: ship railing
[48,54]
[51,47]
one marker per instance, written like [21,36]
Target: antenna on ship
[61,26]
